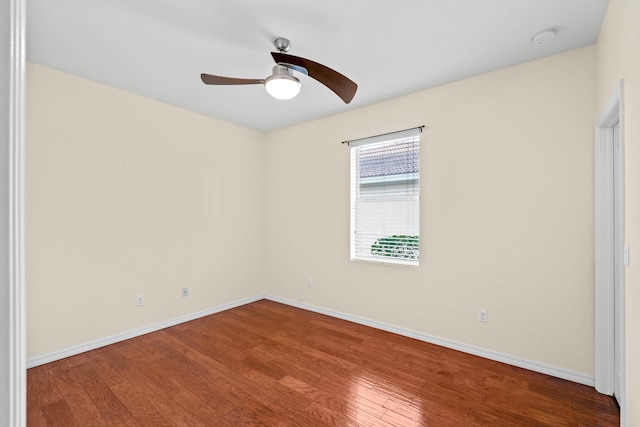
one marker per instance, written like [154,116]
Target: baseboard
[92,345]
[531,365]
[566,374]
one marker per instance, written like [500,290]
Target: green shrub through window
[396,246]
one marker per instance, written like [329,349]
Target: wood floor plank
[241,417]
[291,416]
[192,414]
[323,415]
[40,421]
[42,390]
[58,414]
[128,423]
[139,406]
[111,408]
[267,364]
[190,391]
[82,407]
[109,365]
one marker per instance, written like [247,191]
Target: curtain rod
[385,134]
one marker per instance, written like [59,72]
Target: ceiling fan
[283,84]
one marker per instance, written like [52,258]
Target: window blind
[385,198]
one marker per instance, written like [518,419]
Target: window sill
[398,263]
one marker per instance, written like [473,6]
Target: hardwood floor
[270,364]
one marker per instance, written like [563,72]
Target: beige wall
[618,58]
[128,196]
[506,213]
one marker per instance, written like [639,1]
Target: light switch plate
[626,255]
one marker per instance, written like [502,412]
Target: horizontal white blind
[385,199]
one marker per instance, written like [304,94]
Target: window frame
[386,140]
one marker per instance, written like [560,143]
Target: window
[385,202]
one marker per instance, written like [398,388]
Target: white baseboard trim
[531,365]
[566,374]
[92,345]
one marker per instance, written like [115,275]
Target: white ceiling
[158,48]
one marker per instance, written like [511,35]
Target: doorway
[610,251]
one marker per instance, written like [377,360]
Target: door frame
[12,158]
[605,265]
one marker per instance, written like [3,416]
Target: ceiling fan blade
[210,79]
[338,83]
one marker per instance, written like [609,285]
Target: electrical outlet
[185,292]
[140,300]
[483,315]
[309,283]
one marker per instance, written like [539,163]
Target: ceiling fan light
[282,86]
